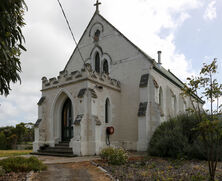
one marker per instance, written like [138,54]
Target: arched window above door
[101,62]
[97,63]
[105,67]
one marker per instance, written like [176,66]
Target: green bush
[114,156]
[168,140]
[2,141]
[21,164]
[178,137]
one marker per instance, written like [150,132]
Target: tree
[210,126]
[3,141]
[11,40]
[20,130]
[20,134]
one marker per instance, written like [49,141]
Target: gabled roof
[80,40]
[167,74]
[147,56]
[142,52]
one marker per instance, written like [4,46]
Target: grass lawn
[6,153]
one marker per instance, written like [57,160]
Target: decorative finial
[97,5]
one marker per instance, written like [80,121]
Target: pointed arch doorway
[67,118]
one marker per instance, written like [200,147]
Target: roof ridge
[146,55]
[95,13]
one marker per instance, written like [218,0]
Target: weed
[114,156]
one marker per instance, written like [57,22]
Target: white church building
[107,82]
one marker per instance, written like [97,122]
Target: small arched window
[96,35]
[161,100]
[97,63]
[182,104]
[107,111]
[105,67]
[175,105]
[185,106]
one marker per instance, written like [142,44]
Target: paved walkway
[56,160]
[69,169]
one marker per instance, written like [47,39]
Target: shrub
[114,156]
[168,140]
[21,164]
[2,141]
[178,137]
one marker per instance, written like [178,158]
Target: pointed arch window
[107,111]
[185,106]
[105,67]
[175,105]
[161,101]
[97,63]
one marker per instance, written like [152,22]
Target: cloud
[211,11]
[145,22]
[20,105]
[7,110]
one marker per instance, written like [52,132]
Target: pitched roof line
[142,52]
[80,40]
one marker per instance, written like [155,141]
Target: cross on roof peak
[97,5]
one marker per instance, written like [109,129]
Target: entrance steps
[61,149]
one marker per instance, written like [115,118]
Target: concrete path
[69,169]
[80,171]
[53,159]
[61,172]
[56,160]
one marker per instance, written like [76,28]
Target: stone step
[59,149]
[63,144]
[55,150]
[54,154]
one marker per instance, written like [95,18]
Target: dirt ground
[82,171]
[155,168]
[13,177]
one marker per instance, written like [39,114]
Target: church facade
[108,82]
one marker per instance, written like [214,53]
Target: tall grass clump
[114,156]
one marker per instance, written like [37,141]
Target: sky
[188,32]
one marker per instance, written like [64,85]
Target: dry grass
[154,168]
[6,153]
